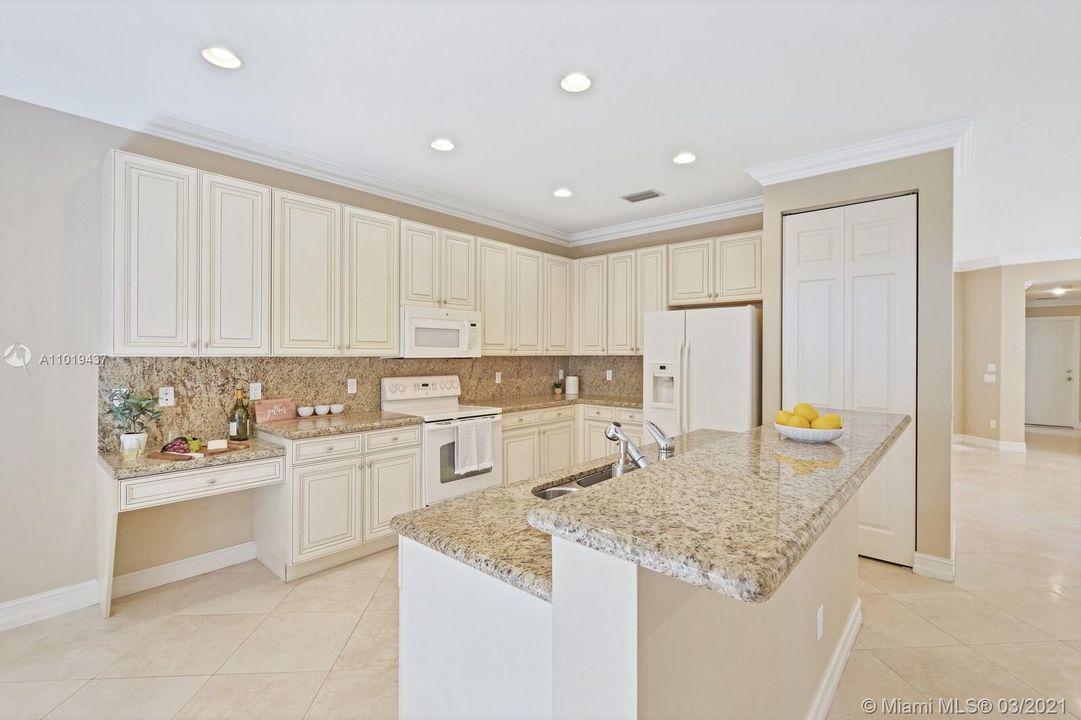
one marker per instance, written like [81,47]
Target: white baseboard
[1000,445]
[827,687]
[933,566]
[182,569]
[26,610]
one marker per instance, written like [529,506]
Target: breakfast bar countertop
[143,466]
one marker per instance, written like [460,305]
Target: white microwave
[435,333]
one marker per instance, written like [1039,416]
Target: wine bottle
[238,417]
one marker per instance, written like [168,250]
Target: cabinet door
[520,455]
[370,297]
[307,275]
[236,266]
[459,266]
[595,443]
[592,305]
[651,290]
[528,303]
[690,270]
[557,447]
[622,306]
[557,305]
[495,295]
[739,267]
[326,507]
[154,258]
[420,264]
[392,482]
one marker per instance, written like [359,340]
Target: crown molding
[696,216]
[956,134]
[1015,259]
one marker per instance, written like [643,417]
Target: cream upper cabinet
[391,487]
[622,307]
[370,297]
[651,290]
[528,302]
[520,455]
[592,302]
[458,261]
[558,305]
[235,266]
[152,247]
[556,446]
[420,264]
[690,272]
[495,296]
[739,266]
[307,275]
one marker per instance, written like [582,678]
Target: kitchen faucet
[628,451]
[665,447]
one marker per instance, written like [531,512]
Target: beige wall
[958,352]
[931,175]
[1060,311]
[729,226]
[982,345]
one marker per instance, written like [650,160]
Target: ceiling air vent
[640,196]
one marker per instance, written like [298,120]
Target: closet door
[370,307]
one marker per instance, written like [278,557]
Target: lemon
[807,411]
[782,417]
[827,422]
[798,421]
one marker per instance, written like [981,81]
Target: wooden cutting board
[271,410]
[233,445]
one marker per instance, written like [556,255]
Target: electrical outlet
[560,374]
[608,375]
[821,622]
[498,378]
[255,391]
[988,378]
[351,386]
[994,424]
[991,367]
[166,397]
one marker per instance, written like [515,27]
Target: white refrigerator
[701,369]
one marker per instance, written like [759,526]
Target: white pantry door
[1051,363]
[849,342]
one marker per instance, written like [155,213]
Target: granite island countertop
[144,466]
[328,425]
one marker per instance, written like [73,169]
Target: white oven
[436,333]
[439,480]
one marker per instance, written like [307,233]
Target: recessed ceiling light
[562,192]
[442,145]
[575,82]
[684,158]
[222,57]
[1058,291]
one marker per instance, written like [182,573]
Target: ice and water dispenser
[663,390]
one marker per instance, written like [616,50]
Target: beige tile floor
[238,644]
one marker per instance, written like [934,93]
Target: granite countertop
[489,530]
[537,402]
[735,515]
[326,425]
[142,466]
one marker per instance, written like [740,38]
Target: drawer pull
[211,481]
[521,419]
[394,439]
[330,448]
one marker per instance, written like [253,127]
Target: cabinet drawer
[174,487]
[563,413]
[325,448]
[633,415]
[395,437]
[603,413]
[520,419]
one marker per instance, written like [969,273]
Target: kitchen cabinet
[495,296]
[558,305]
[152,252]
[528,302]
[622,308]
[556,446]
[458,262]
[392,487]
[521,459]
[594,442]
[592,303]
[370,308]
[235,276]
[326,507]
[438,267]
[651,288]
[715,270]
[307,275]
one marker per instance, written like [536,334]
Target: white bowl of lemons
[805,425]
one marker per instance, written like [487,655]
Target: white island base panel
[620,641]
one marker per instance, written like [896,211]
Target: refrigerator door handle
[684,372]
[679,391]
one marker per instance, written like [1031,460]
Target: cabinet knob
[394,439]
[211,481]
[330,448]
[521,419]
[194,345]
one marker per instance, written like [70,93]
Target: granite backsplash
[204,386]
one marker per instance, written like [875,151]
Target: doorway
[1053,354]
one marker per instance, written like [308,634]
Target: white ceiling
[363,86]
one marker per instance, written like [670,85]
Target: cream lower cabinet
[715,270]
[596,419]
[391,488]
[521,458]
[538,442]
[326,507]
[556,446]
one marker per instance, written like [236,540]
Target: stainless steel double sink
[573,486]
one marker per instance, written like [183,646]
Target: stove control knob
[455,385]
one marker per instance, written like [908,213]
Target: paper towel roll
[572,386]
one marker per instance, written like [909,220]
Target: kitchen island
[720,583]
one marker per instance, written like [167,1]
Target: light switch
[991,367]
[608,375]
[498,377]
[351,386]
[166,397]
[989,378]
[994,424]
[255,391]
[560,374]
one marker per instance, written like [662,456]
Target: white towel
[484,443]
[465,447]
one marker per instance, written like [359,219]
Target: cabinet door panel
[520,455]
[307,277]
[651,292]
[459,261]
[155,257]
[495,294]
[592,305]
[393,487]
[370,306]
[595,442]
[557,447]
[528,303]
[326,509]
[690,270]
[622,305]
[557,305]
[236,266]
[739,267]
[420,264]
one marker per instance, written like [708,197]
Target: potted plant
[557,387]
[131,412]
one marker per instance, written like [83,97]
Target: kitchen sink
[554,492]
[573,486]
